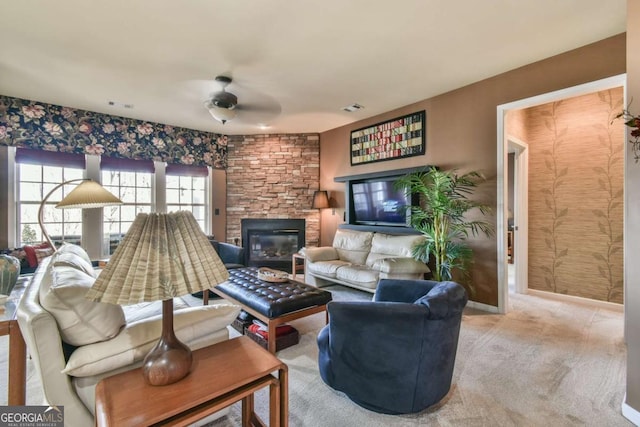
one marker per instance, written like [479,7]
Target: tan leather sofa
[360,258]
[74,343]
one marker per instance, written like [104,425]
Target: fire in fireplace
[271,242]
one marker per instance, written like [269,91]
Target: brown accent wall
[461,133]
[273,176]
[576,196]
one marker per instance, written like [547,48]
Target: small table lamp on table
[161,257]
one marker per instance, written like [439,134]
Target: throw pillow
[80,321]
[30,251]
[43,253]
[135,341]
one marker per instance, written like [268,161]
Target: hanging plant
[634,123]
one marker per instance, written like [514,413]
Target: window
[187,193]
[143,186]
[132,182]
[38,173]
[186,190]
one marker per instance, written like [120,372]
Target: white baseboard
[482,306]
[557,297]
[577,300]
[630,413]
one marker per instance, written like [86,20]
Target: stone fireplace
[271,177]
[271,242]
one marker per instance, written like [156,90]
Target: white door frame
[520,212]
[502,145]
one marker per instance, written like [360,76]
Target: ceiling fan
[223,106]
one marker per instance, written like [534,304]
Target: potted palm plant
[440,217]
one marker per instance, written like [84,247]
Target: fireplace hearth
[271,242]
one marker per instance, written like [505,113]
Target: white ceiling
[307,59]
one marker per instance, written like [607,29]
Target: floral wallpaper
[54,128]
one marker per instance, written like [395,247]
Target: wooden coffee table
[222,374]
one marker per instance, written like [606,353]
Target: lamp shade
[162,256]
[87,195]
[320,200]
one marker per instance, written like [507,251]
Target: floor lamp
[87,195]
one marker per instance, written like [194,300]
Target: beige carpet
[546,363]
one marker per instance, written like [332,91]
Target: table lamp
[87,195]
[161,257]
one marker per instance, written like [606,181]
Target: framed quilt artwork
[394,139]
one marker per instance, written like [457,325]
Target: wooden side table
[17,348]
[222,374]
[295,267]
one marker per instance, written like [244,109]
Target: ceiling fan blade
[264,107]
[258,112]
[198,89]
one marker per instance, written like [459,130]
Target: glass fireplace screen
[264,246]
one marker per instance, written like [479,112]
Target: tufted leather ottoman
[273,303]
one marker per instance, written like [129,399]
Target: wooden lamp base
[169,360]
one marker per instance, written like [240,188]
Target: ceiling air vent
[119,104]
[353,107]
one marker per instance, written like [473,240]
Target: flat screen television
[378,202]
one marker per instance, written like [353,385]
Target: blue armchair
[232,256]
[395,354]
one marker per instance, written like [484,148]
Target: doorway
[517,214]
[521,212]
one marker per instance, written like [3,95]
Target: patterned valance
[49,127]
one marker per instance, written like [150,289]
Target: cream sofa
[360,258]
[74,342]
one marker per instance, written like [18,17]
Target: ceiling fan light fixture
[225,100]
[222,105]
[223,115]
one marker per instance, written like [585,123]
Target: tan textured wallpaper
[576,196]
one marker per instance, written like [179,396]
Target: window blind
[126,165]
[50,158]
[186,170]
